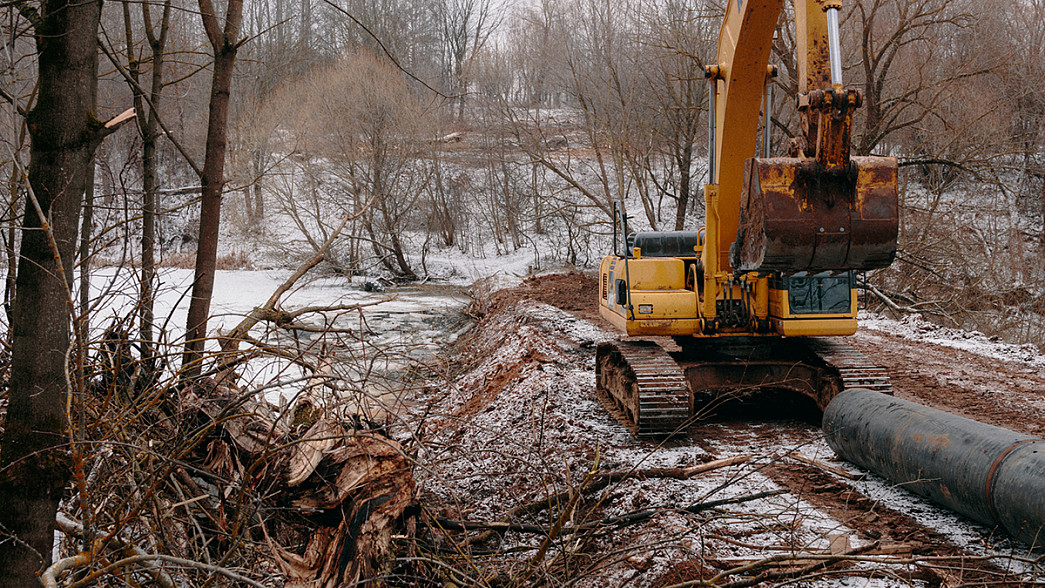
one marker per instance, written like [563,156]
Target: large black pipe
[989,474]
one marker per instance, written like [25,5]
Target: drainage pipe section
[987,473]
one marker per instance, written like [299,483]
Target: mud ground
[997,392]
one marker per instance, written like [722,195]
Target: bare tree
[466,27]
[156,36]
[533,54]
[65,134]
[679,36]
[1023,26]
[225,42]
[900,48]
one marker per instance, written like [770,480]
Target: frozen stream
[373,347]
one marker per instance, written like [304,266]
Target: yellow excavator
[755,299]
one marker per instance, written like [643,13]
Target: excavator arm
[738,79]
[818,209]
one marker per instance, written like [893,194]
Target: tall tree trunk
[64,136]
[11,239]
[259,175]
[225,44]
[150,137]
[305,39]
[685,162]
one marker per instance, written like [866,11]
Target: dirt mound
[573,292]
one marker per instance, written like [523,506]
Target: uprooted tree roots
[341,492]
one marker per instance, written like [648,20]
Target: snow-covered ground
[523,423]
[916,328]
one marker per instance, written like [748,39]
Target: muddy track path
[822,523]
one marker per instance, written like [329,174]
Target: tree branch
[145,96]
[14,102]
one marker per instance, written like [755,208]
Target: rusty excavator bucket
[820,209]
[799,215]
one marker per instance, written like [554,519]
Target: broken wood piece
[308,452]
[312,391]
[821,465]
[839,543]
[715,464]
[359,492]
[120,118]
[893,549]
[676,473]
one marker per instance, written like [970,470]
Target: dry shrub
[205,479]
[964,261]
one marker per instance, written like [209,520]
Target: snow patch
[916,328]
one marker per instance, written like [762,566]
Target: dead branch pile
[346,489]
[213,481]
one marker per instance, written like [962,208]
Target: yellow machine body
[783,237]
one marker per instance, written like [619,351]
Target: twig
[823,561]
[494,526]
[230,342]
[50,576]
[150,557]
[70,526]
[886,300]
[145,96]
[601,481]
[387,53]
[821,465]
[618,522]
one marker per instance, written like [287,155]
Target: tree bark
[225,44]
[150,137]
[64,136]
[259,174]
[684,159]
[86,227]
